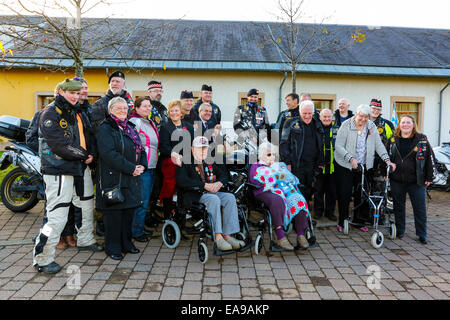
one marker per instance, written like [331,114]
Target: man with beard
[252,119]
[159,113]
[99,109]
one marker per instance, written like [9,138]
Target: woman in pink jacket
[150,141]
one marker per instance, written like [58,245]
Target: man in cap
[206,97]
[66,149]
[386,131]
[252,119]
[159,113]
[187,98]
[99,111]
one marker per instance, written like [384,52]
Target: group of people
[142,152]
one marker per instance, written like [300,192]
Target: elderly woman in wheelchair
[204,183]
[278,190]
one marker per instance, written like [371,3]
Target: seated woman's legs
[277,208]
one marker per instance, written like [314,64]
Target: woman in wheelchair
[204,183]
[278,189]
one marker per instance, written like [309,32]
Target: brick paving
[336,269]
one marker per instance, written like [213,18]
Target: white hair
[202,106]
[326,109]
[115,101]
[263,147]
[363,109]
[307,103]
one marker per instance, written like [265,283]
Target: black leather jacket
[99,110]
[293,139]
[59,139]
[417,166]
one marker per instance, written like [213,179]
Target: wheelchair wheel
[308,234]
[171,234]
[346,227]
[241,236]
[202,252]
[392,231]
[258,242]
[290,228]
[377,239]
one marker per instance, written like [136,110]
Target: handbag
[112,196]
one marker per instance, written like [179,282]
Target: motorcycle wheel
[17,201]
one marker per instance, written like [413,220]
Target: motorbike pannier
[13,128]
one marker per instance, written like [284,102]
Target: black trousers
[325,190]
[118,230]
[349,182]
[305,173]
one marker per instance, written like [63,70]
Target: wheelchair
[380,208]
[203,226]
[242,189]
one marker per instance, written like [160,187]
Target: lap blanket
[278,180]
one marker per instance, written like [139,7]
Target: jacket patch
[63,123]
[48,123]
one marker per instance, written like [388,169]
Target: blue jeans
[147,180]
[417,195]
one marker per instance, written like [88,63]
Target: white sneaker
[235,243]
[223,245]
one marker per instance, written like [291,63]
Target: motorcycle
[22,187]
[442,167]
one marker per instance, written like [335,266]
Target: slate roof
[239,41]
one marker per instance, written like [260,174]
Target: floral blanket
[279,180]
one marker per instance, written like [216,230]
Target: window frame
[39,98]
[407,99]
[327,97]
[261,97]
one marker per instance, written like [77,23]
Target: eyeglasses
[156,90]
[121,109]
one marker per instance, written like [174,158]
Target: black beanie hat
[116,74]
[252,92]
[186,95]
[375,103]
[205,87]
[154,84]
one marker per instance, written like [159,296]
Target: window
[139,93]
[324,101]
[408,105]
[242,98]
[45,98]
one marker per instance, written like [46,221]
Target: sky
[406,13]
[400,13]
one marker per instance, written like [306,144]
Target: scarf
[129,131]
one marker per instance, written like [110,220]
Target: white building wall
[358,89]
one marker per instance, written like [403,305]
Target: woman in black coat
[412,153]
[182,134]
[121,160]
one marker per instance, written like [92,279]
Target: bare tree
[297,41]
[30,31]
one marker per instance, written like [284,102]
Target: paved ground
[336,269]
